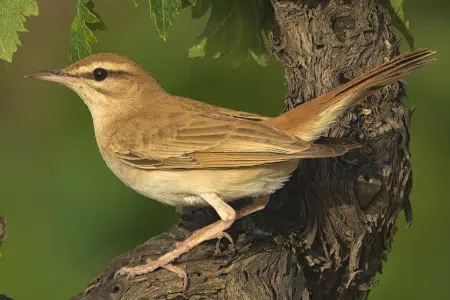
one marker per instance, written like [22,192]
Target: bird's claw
[128,271]
[180,272]
[150,266]
[132,272]
[220,236]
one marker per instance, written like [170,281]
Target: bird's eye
[99,74]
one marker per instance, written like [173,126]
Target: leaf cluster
[236,29]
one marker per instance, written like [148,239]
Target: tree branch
[2,230]
[325,235]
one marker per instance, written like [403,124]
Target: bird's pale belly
[183,187]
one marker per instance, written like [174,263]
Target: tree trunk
[326,233]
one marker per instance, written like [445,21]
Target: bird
[183,152]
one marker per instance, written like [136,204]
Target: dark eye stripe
[88,75]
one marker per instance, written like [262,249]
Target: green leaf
[235,29]
[164,12]
[397,5]
[399,20]
[12,17]
[261,58]
[81,36]
[198,50]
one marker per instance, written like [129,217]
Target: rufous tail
[309,120]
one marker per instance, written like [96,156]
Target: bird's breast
[184,187]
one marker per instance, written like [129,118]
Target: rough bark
[2,239]
[325,235]
[2,230]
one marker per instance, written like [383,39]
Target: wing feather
[195,140]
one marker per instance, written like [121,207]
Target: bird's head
[104,80]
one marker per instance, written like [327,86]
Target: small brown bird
[183,152]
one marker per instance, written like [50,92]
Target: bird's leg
[227,214]
[258,204]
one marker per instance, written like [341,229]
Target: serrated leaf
[13,14]
[164,12]
[81,36]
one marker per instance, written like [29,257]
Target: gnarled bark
[325,235]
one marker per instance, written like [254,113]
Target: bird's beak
[49,75]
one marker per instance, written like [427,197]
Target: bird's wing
[194,140]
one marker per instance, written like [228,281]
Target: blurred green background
[68,214]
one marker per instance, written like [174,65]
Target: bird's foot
[215,230]
[219,236]
[165,261]
[150,266]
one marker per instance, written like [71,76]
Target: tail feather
[311,119]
